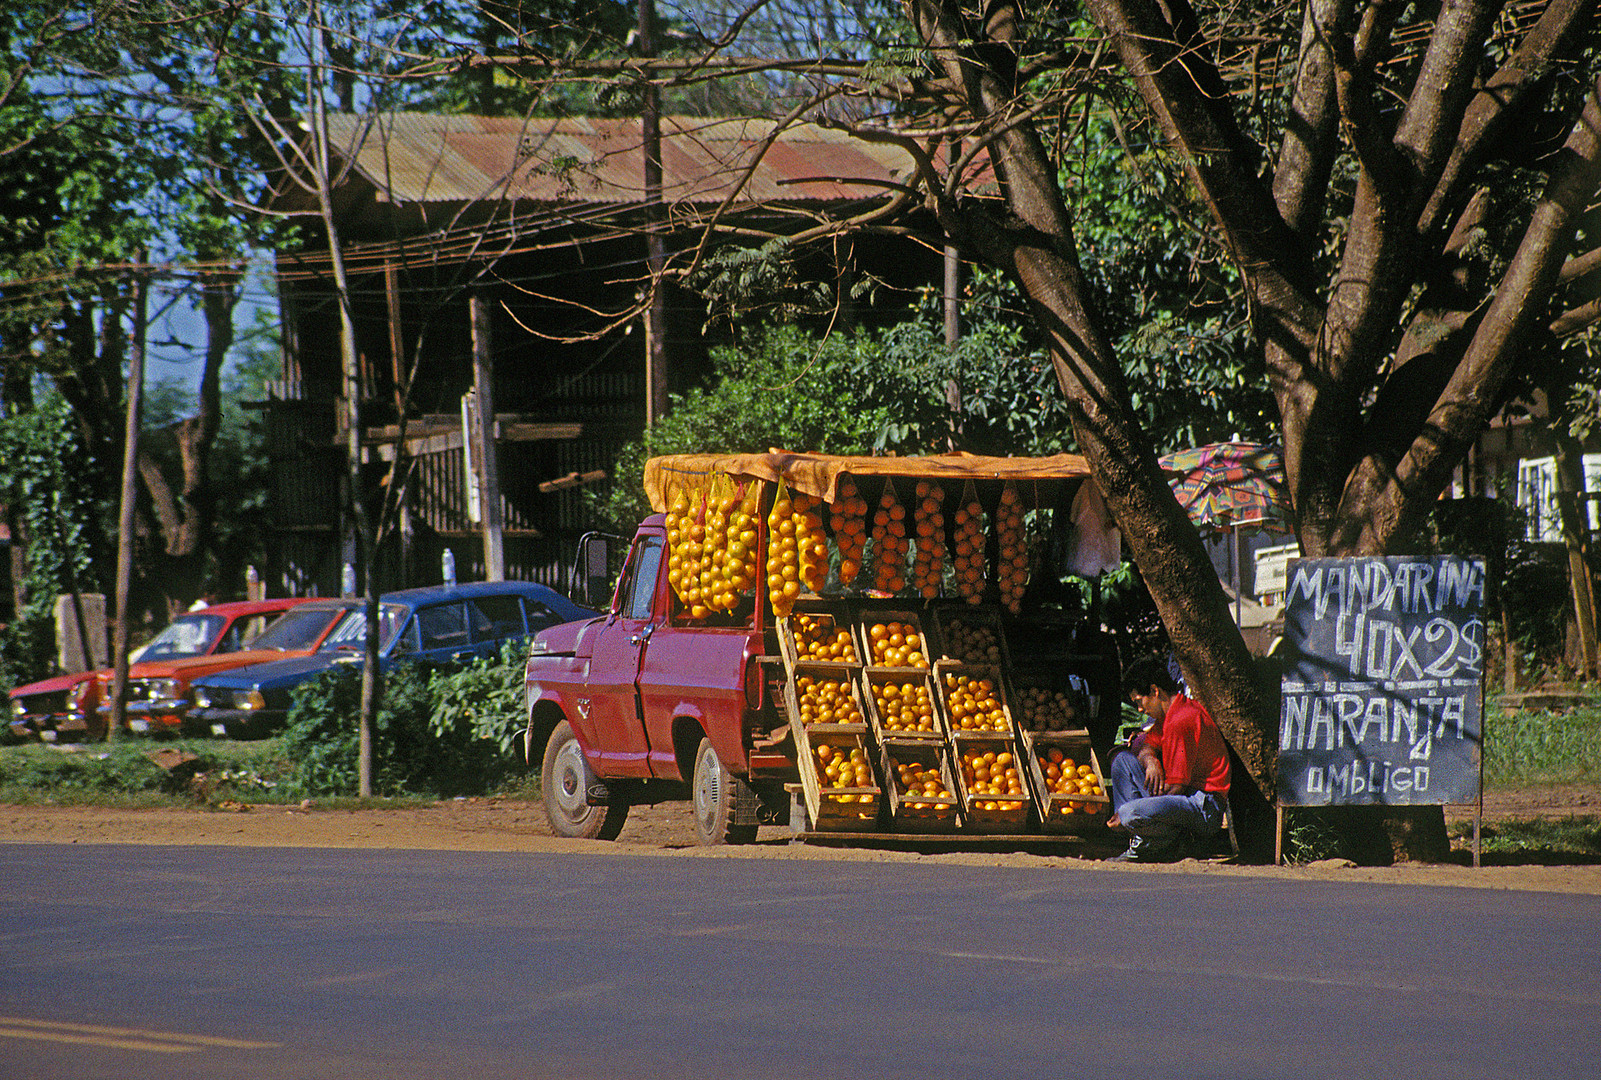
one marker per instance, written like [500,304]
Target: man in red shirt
[1172,782]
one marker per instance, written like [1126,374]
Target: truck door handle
[642,637]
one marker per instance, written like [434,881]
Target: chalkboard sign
[1382,689]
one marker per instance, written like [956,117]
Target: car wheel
[714,790]
[564,779]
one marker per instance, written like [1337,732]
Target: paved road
[125,962]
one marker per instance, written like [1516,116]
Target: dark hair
[1147,672]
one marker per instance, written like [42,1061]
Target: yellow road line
[165,1042]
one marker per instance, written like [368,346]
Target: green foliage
[483,702]
[788,390]
[429,736]
[45,479]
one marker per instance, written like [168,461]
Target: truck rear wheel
[564,780]
[714,789]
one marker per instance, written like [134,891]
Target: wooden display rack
[986,616]
[920,813]
[823,805]
[1004,819]
[1056,814]
[997,677]
[905,676]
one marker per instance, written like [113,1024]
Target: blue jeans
[1158,820]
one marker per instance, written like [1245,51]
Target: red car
[159,700]
[60,708]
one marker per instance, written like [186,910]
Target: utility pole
[655,246]
[483,434]
[125,538]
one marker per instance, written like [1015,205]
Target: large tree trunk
[1036,247]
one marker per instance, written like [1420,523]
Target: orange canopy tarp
[1039,480]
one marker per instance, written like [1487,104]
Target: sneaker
[1146,850]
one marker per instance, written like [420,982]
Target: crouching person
[1170,785]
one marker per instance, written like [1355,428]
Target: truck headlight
[249,699]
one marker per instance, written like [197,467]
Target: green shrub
[433,733]
[484,700]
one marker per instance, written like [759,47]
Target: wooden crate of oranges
[891,639]
[826,697]
[901,705]
[818,637]
[837,778]
[969,634]
[1048,700]
[973,697]
[993,787]
[920,786]
[1067,780]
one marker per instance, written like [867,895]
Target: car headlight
[18,709]
[203,697]
[153,689]
[249,699]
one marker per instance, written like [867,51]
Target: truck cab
[646,704]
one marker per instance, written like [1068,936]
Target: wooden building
[510,255]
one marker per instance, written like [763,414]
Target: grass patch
[1540,748]
[124,773]
[1568,841]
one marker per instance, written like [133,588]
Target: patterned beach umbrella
[1227,485]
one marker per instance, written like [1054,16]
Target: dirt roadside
[666,831]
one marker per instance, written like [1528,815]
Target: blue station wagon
[437,624]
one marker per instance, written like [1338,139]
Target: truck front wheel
[714,791]
[564,780]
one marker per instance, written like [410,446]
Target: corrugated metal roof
[417,158]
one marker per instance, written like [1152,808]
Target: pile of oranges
[972,644]
[826,701]
[992,779]
[896,644]
[1043,709]
[818,638]
[969,560]
[889,543]
[1011,572]
[1064,776]
[905,706]
[840,767]
[848,520]
[918,782]
[974,704]
[928,565]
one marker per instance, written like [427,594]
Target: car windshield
[190,634]
[296,629]
[352,629]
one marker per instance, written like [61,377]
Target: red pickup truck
[667,696]
[635,705]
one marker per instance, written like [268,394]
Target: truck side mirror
[592,571]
